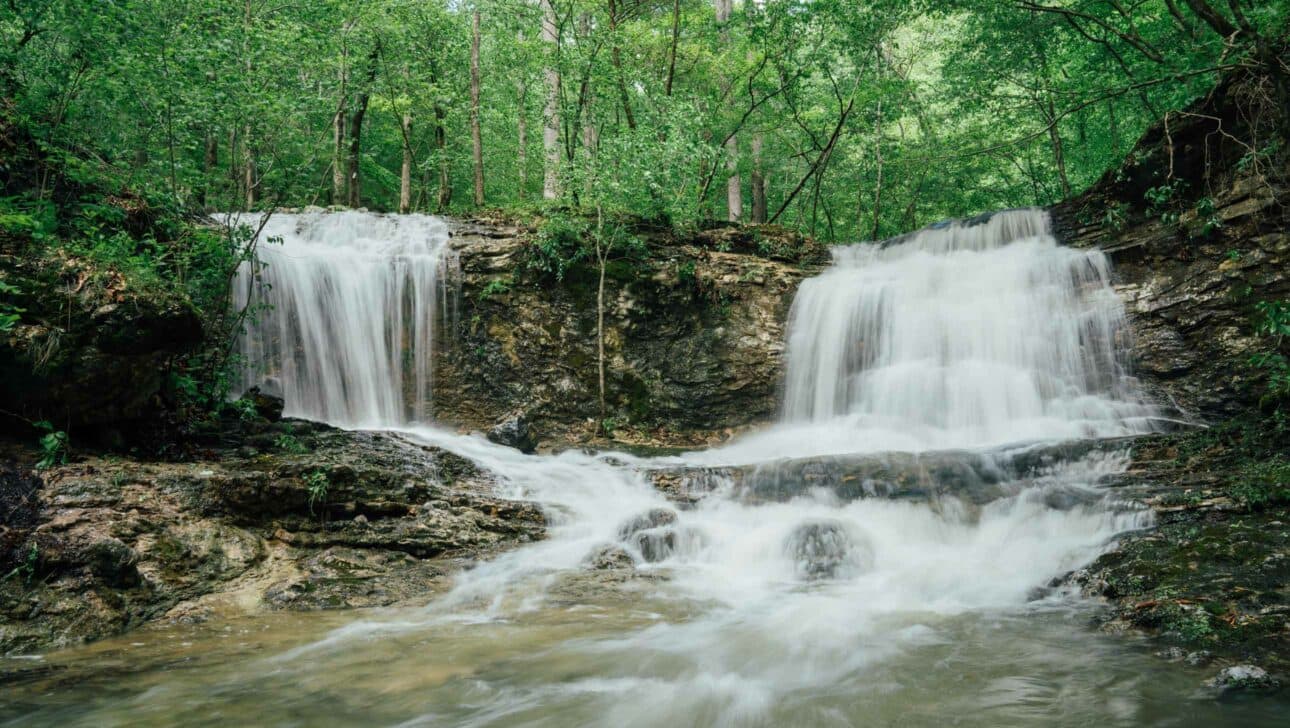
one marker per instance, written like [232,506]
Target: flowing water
[343,310]
[964,347]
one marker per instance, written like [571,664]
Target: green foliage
[288,443]
[1262,484]
[1161,199]
[1191,624]
[244,409]
[608,425]
[10,313]
[54,446]
[27,568]
[685,273]
[317,484]
[495,287]
[869,118]
[560,244]
[1272,324]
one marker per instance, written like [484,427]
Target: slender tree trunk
[734,186]
[249,181]
[601,257]
[758,182]
[338,162]
[551,112]
[476,139]
[1059,155]
[210,160]
[248,155]
[671,51]
[617,56]
[405,171]
[338,176]
[234,162]
[443,197]
[522,129]
[356,151]
[356,131]
[877,190]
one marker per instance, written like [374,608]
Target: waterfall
[344,310]
[964,333]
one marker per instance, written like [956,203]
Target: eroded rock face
[693,337]
[116,543]
[1191,268]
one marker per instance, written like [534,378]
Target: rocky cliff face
[1197,225]
[694,337]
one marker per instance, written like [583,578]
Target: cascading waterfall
[963,334]
[862,588]
[344,313]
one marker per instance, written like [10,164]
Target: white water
[960,335]
[346,311]
[810,611]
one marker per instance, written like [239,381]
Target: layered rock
[299,517]
[694,336]
[1197,225]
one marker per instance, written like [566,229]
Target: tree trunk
[671,51]
[601,258]
[522,129]
[338,176]
[1059,155]
[551,112]
[617,55]
[759,210]
[248,167]
[877,190]
[356,131]
[476,139]
[210,160]
[734,186]
[405,172]
[356,151]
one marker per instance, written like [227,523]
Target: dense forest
[843,119]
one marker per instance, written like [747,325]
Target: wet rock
[113,562]
[1242,678]
[689,359]
[825,550]
[655,544]
[653,518]
[514,432]
[610,556]
[1198,658]
[119,543]
[267,405]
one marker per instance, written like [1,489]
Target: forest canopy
[846,119]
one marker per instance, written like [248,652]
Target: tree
[476,139]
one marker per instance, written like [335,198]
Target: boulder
[514,432]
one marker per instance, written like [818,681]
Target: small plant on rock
[288,443]
[53,446]
[317,484]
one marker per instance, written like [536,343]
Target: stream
[972,345]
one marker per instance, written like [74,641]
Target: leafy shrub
[54,446]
